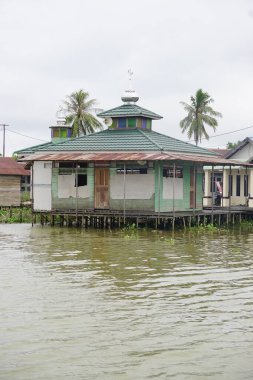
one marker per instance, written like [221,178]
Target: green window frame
[131,122]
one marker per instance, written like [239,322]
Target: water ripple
[79,304]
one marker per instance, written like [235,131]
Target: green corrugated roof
[125,140]
[129,110]
[34,148]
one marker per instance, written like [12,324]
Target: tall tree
[199,114]
[231,145]
[78,110]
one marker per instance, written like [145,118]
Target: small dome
[130,96]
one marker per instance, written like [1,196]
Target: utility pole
[4,125]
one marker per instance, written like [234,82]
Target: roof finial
[130,73]
[130,95]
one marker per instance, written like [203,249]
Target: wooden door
[102,188]
[192,188]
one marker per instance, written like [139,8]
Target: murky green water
[78,304]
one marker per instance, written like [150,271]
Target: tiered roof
[125,140]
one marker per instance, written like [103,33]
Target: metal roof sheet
[8,166]
[131,156]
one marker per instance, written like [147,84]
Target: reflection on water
[79,304]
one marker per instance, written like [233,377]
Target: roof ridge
[148,137]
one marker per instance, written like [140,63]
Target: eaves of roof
[133,156]
[129,110]
[32,149]
[240,146]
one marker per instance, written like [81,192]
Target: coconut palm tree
[200,113]
[78,113]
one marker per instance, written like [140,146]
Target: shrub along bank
[15,215]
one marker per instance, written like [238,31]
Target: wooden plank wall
[10,194]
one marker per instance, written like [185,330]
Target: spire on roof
[130,96]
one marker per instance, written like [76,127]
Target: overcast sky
[50,48]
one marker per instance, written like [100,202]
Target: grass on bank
[16,215]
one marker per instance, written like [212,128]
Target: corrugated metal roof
[126,140]
[220,152]
[131,156]
[8,166]
[129,110]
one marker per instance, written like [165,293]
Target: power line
[21,134]
[225,133]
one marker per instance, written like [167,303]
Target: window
[69,167]
[63,133]
[144,123]
[55,132]
[148,124]
[132,168]
[238,185]
[66,164]
[81,180]
[25,183]
[82,164]
[122,122]
[131,122]
[169,172]
[230,185]
[246,185]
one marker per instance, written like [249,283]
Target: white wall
[243,154]
[235,200]
[138,186]
[168,188]
[66,187]
[42,175]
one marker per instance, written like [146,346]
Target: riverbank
[15,214]
[24,214]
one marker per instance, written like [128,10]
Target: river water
[88,304]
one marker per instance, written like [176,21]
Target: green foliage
[25,196]
[16,215]
[199,114]
[231,145]
[78,110]
[206,227]
[246,223]
[129,230]
[168,240]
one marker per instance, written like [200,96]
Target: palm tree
[78,113]
[200,113]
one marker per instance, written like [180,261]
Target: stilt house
[14,179]
[233,182]
[127,167]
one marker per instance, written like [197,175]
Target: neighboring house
[13,178]
[235,182]
[125,167]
